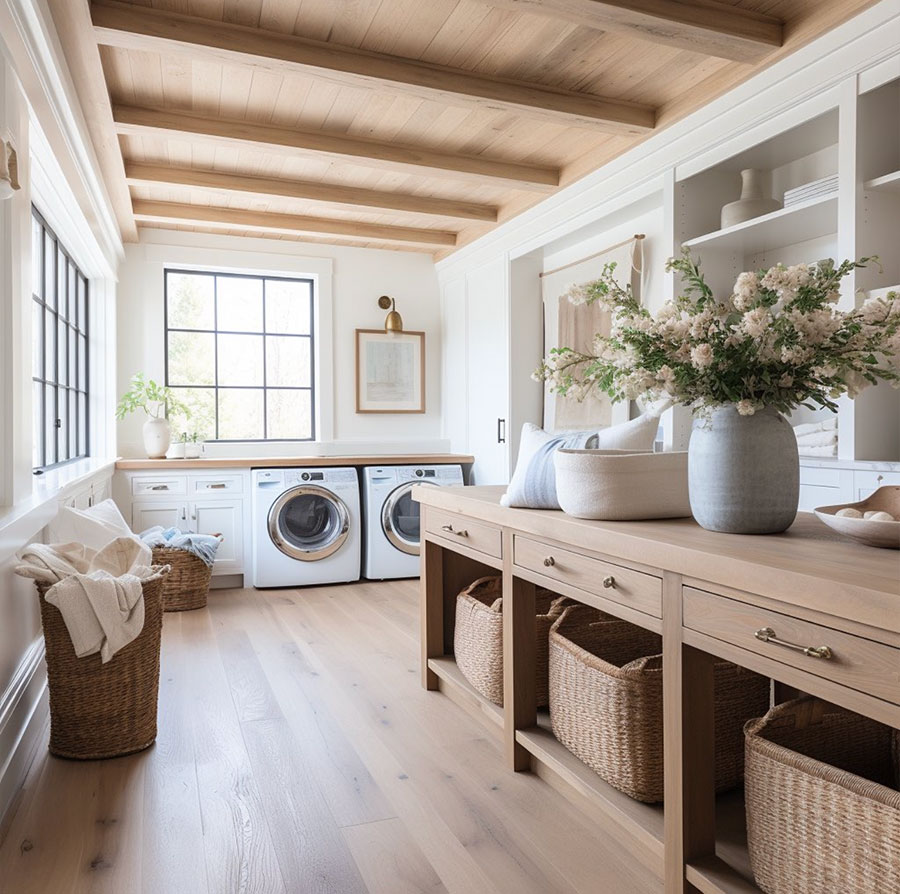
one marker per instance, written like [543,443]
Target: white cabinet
[193,502]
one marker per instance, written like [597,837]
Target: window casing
[240,354]
[60,369]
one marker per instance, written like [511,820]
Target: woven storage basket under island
[187,584]
[478,636]
[606,702]
[103,710]
[823,805]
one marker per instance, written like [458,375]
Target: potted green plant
[157,401]
[192,445]
[740,362]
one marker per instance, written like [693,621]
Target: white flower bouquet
[778,341]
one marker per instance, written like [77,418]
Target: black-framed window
[59,372]
[240,354]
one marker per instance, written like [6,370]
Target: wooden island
[707,594]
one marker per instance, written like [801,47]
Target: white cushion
[636,434]
[94,527]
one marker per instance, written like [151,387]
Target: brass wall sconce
[393,322]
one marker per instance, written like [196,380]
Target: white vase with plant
[192,445]
[776,343]
[157,401]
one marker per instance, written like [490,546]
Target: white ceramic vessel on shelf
[157,437]
[752,203]
[884,534]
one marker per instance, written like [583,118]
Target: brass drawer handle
[218,486]
[767,635]
[609,582]
[159,487]
[449,529]
[549,562]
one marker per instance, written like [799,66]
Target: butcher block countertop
[809,565]
[279,462]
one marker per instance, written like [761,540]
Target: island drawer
[844,658]
[633,588]
[475,535]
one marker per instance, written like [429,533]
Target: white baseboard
[24,708]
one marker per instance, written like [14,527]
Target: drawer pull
[609,583]
[216,486]
[159,487]
[449,530]
[767,635]
[549,562]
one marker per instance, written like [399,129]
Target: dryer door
[401,518]
[309,523]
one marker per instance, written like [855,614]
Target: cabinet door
[223,517]
[168,514]
[487,329]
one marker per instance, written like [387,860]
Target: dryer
[307,527]
[391,516]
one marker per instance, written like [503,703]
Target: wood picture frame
[390,371]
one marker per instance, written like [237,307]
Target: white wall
[349,283]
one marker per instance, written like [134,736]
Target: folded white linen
[99,593]
[807,428]
[817,439]
[817,451]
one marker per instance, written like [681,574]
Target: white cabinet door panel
[168,514]
[223,517]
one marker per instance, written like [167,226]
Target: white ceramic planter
[744,472]
[621,485]
[752,203]
[157,437]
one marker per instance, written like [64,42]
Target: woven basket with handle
[478,637]
[823,805]
[606,702]
[103,710]
[187,585]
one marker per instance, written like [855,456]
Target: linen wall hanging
[574,326]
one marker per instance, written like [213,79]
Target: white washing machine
[392,516]
[307,527]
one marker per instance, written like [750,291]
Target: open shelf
[887,183]
[460,690]
[787,226]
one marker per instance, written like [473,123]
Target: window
[240,354]
[60,351]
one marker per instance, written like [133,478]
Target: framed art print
[390,371]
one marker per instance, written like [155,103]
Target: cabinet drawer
[816,476]
[624,585]
[476,535]
[854,661]
[158,485]
[217,484]
[866,483]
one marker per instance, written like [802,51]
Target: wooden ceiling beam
[143,28]
[136,121]
[239,219]
[347,197]
[703,26]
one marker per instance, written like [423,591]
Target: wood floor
[297,753]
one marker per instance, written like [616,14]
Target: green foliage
[154,399]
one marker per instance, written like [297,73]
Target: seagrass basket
[187,585]
[606,702]
[103,710]
[478,637]
[823,805]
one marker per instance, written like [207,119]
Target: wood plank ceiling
[406,124]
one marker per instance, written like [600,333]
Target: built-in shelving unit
[460,690]
[887,183]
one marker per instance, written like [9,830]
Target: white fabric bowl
[621,485]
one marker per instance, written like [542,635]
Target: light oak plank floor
[297,754]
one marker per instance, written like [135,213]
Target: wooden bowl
[884,534]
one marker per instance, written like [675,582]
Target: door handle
[501,431]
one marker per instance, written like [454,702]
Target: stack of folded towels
[817,438]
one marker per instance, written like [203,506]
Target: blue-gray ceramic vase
[743,472]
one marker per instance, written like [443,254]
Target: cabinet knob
[609,583]
[549,562]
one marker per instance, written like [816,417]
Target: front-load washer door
[401,518]
[309,523]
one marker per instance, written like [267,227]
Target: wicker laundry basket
[823,805]
[606,702]
[478,637]
[103,710]
[187,585]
